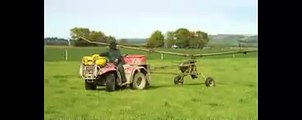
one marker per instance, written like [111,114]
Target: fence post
[66,54]
[162,56]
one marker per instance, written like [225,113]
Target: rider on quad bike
[115,57]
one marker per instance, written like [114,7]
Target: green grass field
[235,96]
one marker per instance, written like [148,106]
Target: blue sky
[139,18]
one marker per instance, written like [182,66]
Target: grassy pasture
[235,96]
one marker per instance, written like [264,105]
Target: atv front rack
[89,72]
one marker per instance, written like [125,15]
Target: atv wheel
[177,80]
[110,82]
[120,87]
[210,82]
[139,81]
[89,86]
[147,85]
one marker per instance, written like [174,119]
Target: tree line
[92,35]
[55,41]
[181,38]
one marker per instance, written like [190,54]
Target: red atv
[137,73]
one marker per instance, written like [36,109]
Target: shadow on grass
[160,86]
[185,84]
[204,83]
[193,84]
[172,85]
[103,88]
[153,87]
[214,104]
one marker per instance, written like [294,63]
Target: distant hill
[232,40]
[55,41]
[220,39]
[137,41]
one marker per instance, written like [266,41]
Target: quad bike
[97,71]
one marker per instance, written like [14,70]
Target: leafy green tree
[156,39]
[202,38]
[169,39]
[182,37]
[97,36]
[109,38]
[77,32]
[193,41]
